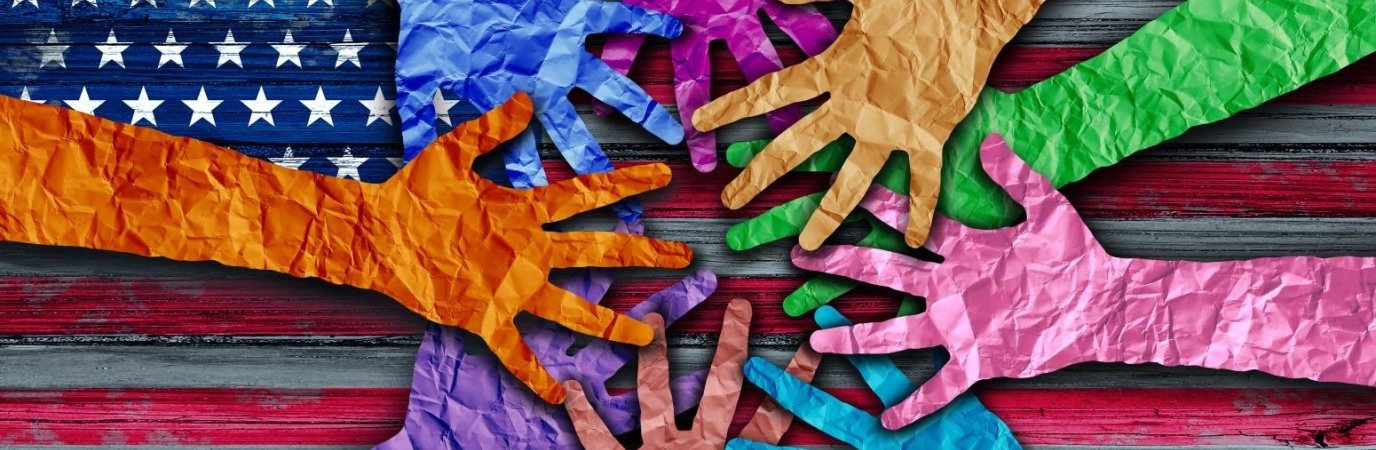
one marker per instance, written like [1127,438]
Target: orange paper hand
[438,238]
[719,396]
[901,75]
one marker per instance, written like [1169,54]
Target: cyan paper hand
[486,50]
[964,424]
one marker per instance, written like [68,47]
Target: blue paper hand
[965,423]
[486,50]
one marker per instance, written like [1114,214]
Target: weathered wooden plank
[1192,239]
[300,365]
[334,416]
[57,307]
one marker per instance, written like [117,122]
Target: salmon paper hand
[441,240]
[737,22]
[461,398]
[1022,301]
[487,50]
[963,424]
[901,75]
[719,396]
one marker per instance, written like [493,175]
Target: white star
[25,96]
[442,107]
[320,108]
[395,161]
[229,50]
[52,53]
[134,3]
[327,2]
[379,108]
[391,3]
[348,50]
[211,2]
[77,2]
[171,51]
[202,108]
[143,108]
[261,108]
[84,104]
[347,164]
[35,3]
[288,51]
[254,2]
[112,51]
[289,160]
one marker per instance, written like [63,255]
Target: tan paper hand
[902,74]
[438,238]
[719,396]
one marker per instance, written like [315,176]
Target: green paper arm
[1198,63]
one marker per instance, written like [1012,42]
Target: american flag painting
[307,83]
[105,349]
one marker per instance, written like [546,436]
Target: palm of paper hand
[1004,303]
[473,254]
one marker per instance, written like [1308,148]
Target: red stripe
[56,306]
[1131,190]
[1017,67]
[1300,417]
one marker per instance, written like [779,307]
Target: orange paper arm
[438,238]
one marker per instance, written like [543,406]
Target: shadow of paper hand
[437,238]
[737,22]
[901,76]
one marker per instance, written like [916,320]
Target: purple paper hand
[461,398]
[1026,300]
[738,23]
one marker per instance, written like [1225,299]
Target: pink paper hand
[1031,299]
[737,22]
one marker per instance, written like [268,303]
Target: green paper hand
[1198,63]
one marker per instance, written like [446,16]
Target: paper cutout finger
[461,398]
[965,424]
[486,50]
[1092,115]
[738,23]
[1026,300]
[900,77]
[464,252]
[720,394]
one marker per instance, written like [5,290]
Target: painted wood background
[106,349]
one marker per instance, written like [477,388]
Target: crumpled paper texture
[461,398]
[737,22]
[1198,63]
[487,50]
[464,252]
[1040,296]
[717,406]
[963,424]
[901,75]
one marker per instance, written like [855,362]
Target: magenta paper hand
[1026,300]
[738,23]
